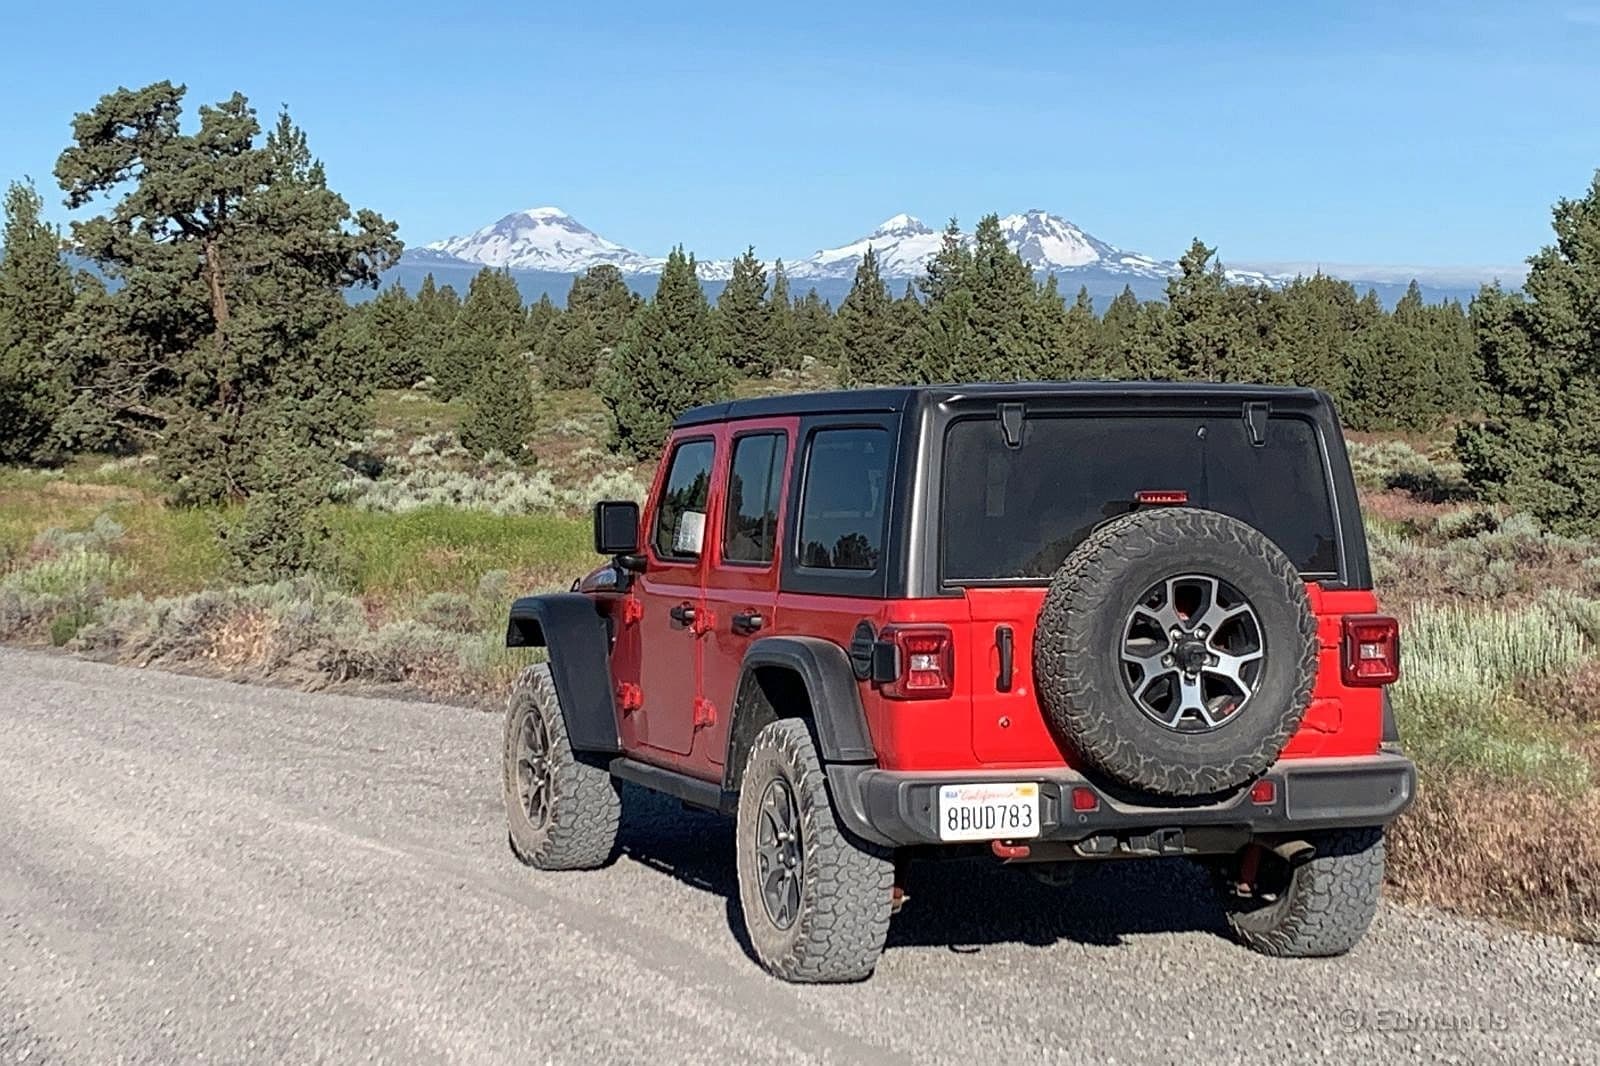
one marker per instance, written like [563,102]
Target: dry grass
[1483,849]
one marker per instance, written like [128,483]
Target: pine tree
[1045,317]
[783,331]
[1538,449]
[813,323]
[866,328]
[1080,338]
[942,346]
[491,320]
[904,367]
[36,296]
[1002,293]
[665,362]
[742,319]
[1118,328]
[228,329]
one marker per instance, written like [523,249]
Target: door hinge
[632,610]
[705,713]
[629,697]
[703,621]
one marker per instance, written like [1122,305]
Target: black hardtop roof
[899,398]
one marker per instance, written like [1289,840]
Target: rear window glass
[841,511]
[1015,513]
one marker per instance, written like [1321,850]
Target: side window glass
[842,509]
[681,514]
[750,532]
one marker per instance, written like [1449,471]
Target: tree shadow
[962,904]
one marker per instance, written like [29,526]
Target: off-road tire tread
[1065,643]
[848,883]
[1330,903]
[586,801]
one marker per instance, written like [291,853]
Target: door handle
[1003,640]
[748,621]
[683,614]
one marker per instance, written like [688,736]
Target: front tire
[561,813]
[816,901]
[1317,907]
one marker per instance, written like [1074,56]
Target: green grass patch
[437,549]
[409,413]
[1456,698]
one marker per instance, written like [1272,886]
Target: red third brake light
[1162,496]
[927,662]
[1371,649]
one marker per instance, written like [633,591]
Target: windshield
[1015,513]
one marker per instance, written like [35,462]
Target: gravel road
[193,870]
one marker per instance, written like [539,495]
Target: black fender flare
[571,627]
[824,671]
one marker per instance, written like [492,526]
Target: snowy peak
[1050,242]
[901,225]
[549,239]
[541,238]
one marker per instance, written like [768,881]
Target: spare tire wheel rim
[1193,653]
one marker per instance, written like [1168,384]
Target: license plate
[998,811]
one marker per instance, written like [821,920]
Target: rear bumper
[895,808]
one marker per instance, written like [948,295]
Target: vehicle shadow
[961,905]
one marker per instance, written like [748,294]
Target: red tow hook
[1249,866]
[1005,851]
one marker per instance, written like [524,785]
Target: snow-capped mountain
[548,240]
[902,244]
[543,238]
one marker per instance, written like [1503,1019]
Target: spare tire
[1176,651]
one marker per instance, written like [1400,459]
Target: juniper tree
[36,296]
[1538,446]
[1319,324]
[664,364]
[1200,315]
[389,322]
[437,308]
[225,330]
[599,305]
[501,407]
[491,321]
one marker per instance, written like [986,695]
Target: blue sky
[1422,133]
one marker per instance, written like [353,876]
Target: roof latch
[1256,413]
[1011,424]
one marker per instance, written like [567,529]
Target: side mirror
[616,527]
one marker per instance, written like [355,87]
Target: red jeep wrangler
[1055,622]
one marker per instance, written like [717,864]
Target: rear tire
[833,892]
[1320,906]
[561,813]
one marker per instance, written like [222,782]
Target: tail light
[1371,649]
[925,662]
